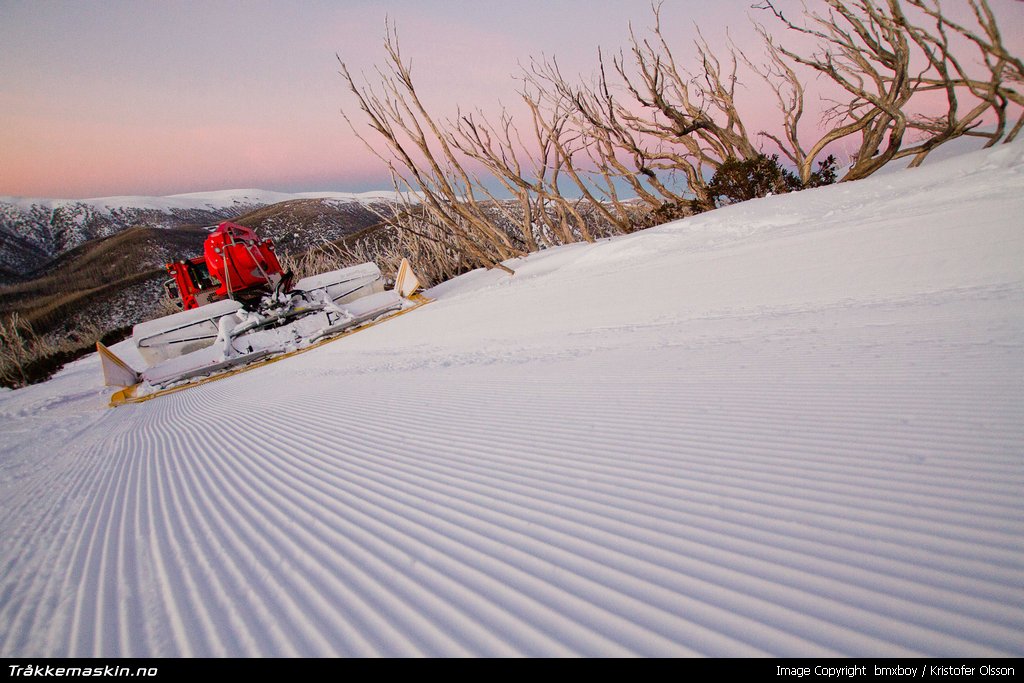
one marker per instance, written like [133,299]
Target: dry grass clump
[27,357]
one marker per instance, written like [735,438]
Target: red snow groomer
[235,264]
[239,306]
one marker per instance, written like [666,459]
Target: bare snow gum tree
[641,140]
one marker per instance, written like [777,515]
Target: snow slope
[791,427]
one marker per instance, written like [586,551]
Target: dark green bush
[738,180]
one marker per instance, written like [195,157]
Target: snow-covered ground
[790,427]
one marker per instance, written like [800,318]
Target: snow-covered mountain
[35,231]
[790,427]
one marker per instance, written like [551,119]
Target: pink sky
[163,97]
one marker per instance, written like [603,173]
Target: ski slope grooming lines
[793,427]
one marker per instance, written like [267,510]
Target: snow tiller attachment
[239,308]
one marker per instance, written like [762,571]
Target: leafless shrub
[648,118]
[319,259]
[883,56]
[18,342]
[27,357]
[422,160]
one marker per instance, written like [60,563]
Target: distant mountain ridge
[35,231]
